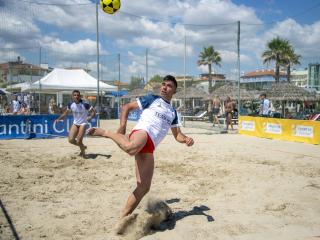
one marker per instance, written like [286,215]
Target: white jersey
[156,118]
[80,112]
[265,104]
[16,105]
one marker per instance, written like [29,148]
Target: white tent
[65,79]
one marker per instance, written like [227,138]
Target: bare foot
[82,150]
[95,131]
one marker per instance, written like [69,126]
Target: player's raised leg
[131,146]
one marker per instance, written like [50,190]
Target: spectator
[53,108]
[264,105]
[24,110]
[229,110]
[16,105]
[216,110]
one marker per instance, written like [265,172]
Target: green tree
[276,52]
[290,58]
[209,57]
[156,78]
[136,82]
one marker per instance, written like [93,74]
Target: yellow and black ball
[110,6]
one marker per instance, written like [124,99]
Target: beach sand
[227,186]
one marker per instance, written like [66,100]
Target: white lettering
[45,126]
[57,130]
[35,126]
[23,127]
[12,126]
[4,129]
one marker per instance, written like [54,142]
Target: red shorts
[148,147]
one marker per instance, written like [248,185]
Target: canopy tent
[4,92]
[66,79]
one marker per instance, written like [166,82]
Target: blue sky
[65,30]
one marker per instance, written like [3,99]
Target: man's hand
[189,141]
[122,130]
[57,120]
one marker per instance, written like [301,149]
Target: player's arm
[180,137]
[124,115]
[63,115]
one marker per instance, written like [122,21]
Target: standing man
[229,110]
[80,111]
[157,117]
[16,105]
[264,105]
[216,110]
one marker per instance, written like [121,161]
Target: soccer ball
[110,6]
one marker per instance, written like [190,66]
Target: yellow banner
[284,129]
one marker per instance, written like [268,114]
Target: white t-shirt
[80,112]
[265,106]
[156,118]
[16,106]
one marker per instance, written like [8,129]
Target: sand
[227,186]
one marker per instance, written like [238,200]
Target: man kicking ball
[156,118]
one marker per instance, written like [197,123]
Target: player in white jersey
[80,111]
[156,119]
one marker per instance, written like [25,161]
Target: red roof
[261,73]
[5,66]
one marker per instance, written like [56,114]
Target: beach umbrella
[289,92]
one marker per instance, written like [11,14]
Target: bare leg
[227,121]
[216,120]
[131,146]
[73,132]
[81,132]
[144,173]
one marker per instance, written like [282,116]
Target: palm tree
[276,52]
[209,56]
[290,58]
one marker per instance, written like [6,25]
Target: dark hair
[263,94]
[172,79]
[75,91]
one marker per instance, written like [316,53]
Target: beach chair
[202,115]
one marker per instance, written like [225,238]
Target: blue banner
[134,115]
[36,126]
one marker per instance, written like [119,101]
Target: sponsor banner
[134,115]
[284,129]
[274,128]
[303,131]
[35,126]
[247,125]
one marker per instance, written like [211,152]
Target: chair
[199,116]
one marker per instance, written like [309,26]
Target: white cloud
[71,30]
[232,57]
[304,38]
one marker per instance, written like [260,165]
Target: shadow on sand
[95,155]
[170,223]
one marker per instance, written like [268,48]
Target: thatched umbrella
[191,92]
[289,92]
[193,97]
[232,91]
